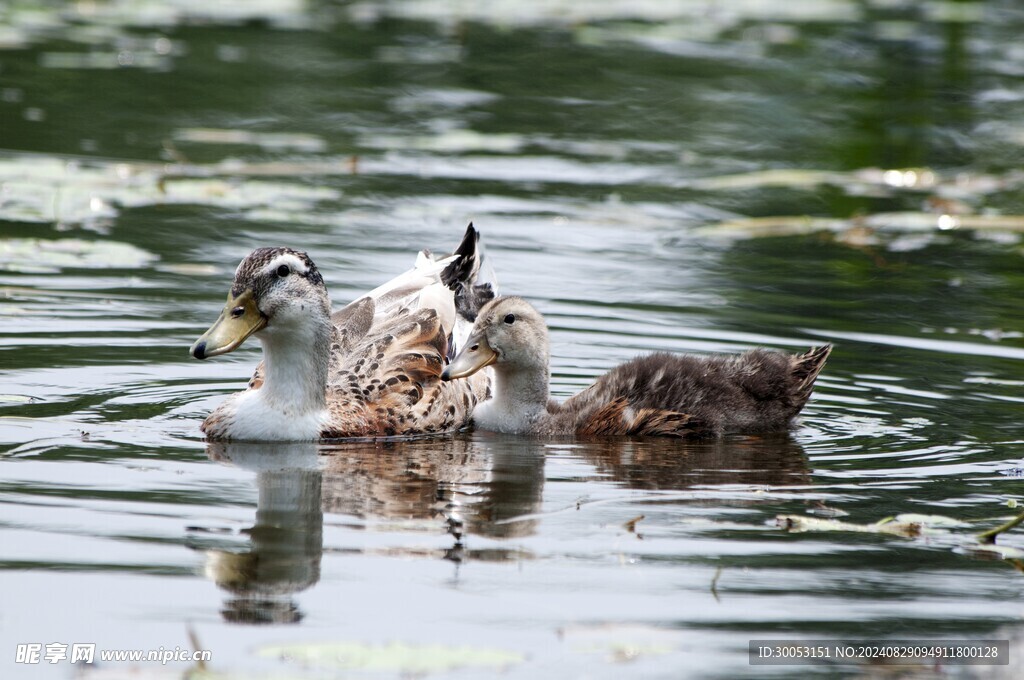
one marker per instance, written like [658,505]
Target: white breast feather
[254,419]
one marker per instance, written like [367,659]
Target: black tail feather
[461,275]
[464,269]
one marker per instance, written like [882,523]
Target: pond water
[694,177]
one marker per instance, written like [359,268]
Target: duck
[659,394]
[369,370]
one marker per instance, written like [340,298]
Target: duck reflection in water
[459,486]
[773,459]
[286,541]
[471,483]
[483,486]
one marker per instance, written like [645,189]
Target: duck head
[510,334]
[275,291]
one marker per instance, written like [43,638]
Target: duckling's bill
[476,355]
[239,319]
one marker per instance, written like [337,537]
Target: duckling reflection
[773,459]
[470,483]
[286,541]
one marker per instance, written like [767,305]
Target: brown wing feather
[618,418]
[353,322]
[389,384]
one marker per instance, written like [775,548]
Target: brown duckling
[659,394]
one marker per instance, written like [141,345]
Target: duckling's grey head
[508,333]
[275,291]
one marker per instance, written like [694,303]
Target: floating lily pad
[629,12]
[779,178]
[189,269]
[934,521]
[266,140]
[866,230]
[910,525]
[16,399]
[244,194]
[450,141]
[42,255]
[907,526]
[395,657]
[41,190]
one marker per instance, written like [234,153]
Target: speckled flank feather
[620,418]
[389,384]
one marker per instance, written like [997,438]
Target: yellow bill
[239,319]
[476,355]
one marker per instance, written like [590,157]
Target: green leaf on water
[907,526]
[398,657]
[267,140]
[91,193]
[933,521]
[16,399]
[777,178]
[449,141]
[48,255]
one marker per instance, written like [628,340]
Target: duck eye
[510,318]
[237,312]
[283,271]
[474,348]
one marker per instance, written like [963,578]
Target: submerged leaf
[993,550]
[823,510]
[630,525]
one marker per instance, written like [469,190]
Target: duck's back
[386,382]
[681,395]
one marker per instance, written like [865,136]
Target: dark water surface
[705,177]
